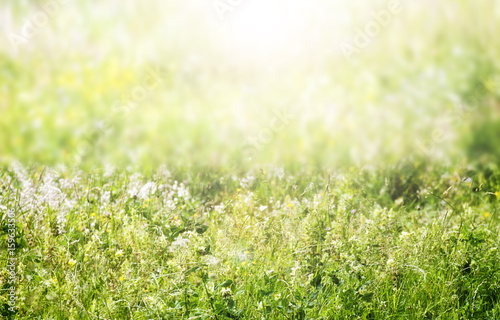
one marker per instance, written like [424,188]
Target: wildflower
[108,171]
[246,182]
[71,262]
[180,242]
[497,194]
[390,262]
[399,201]
[243,263]
[289,205]
[418,208]
[487,214]
[279,173]
[404,234]
[353,211]
[119,253]
[262,208]
[121,278]
[219,208]
[226,292]
[146,190]
[106,196]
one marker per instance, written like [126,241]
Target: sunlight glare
[263,27]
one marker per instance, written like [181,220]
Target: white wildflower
[105,197]
[169,204]
[247,182]
[180,242]
[279,173]
[163,173]
[404,234]
[109,170]
[134,185]
[219,208]
[146,190]
[225,291]
[248,198]
[399,201]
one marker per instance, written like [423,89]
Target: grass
[208,103]
[156,168]
[272,244]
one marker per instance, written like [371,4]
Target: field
[193,245]
[275,160]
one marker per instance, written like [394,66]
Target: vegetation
[273,244]
[156,168]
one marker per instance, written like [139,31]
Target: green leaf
[195,268]
[226,283]
[219,306]
[316,281]
[367,297]
[201,228]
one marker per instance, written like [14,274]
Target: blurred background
[250,82]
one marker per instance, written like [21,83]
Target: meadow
[249,160]
[360,244]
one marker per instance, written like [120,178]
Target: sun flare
[262,27]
